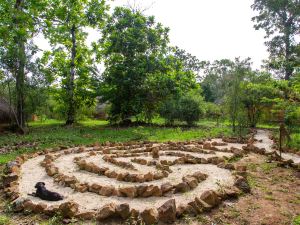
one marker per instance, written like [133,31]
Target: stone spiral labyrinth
[150,181]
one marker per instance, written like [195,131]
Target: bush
[168,111]
[187,109]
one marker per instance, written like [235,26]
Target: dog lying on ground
[43,193]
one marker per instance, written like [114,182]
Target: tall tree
[133,48]
[72,60]
[281,21]
[233,97]
[20,21]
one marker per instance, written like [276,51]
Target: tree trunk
[287,42]
[20,73]
[70,87]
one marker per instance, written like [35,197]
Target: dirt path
[267,143]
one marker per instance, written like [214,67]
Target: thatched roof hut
[5,112]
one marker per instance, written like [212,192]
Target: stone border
[168,212]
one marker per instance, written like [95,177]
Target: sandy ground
[267,144]
[32,173]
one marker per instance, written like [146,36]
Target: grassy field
[52,133]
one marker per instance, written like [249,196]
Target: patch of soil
[274,199]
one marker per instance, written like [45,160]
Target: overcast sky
[208,29]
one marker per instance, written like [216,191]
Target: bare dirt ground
[274,199]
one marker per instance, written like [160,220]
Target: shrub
[186,109]
[189,110]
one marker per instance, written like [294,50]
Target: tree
[71,59]
[216,79]
[233,90]
[256,92]
[133,46]
[281,21]
[20,21]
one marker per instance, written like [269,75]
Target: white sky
[208,29]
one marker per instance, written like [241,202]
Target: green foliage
[4,220]
[141,71]
[71,61]
[188,108]
[296,220]
[280,20]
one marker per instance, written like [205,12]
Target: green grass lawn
[52,133]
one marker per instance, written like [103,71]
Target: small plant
[4,220]
[296,220]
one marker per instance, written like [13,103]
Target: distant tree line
[144,76]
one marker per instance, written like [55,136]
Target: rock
[155,153]
[123,211]
[242,184]
[140,178]
[40,208]
[232,192]
[207,145]
[150,216]
[130,192]
[18,204]
[81,187]
[95,188]
[211,198]
[167,212]
[166,187]
[149,177]
[51,210]
[200,176]
[152,190]
[182,187]
[107,191]
[29,206]
[141,189]
[7,179]
[86,215]
[229,166]
[69,209]
[202,204]
[191,181]
[51,171]
[106,211]
[182,210]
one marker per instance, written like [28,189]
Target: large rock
[242,184]
[211,198]
[109,210]
[152,190]
[7,179]
[182,187]
[150,216]
[155,153]
[107,191]
[95,188]
[130,192]
[123,211]
[51,171]
[69,209]
[166,187]
[202,204]
[191,181]
[199,176]
[167,212]
[89,215]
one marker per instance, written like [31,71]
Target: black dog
[43,193]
